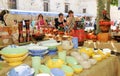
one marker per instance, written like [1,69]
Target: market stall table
[107,67]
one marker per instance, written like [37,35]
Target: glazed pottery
[44,69]
[71,60]
[62,55]
[77,68]
[68,70]
[57,72]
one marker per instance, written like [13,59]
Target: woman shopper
[60,22]
[70,20]
[41,22]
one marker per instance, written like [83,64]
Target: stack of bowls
[14,55]
[38,50]
[52,47]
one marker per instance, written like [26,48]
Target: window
[12,4]
[84,10]
[66,7]
[45,6]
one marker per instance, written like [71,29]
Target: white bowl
[51,44]
[43,74]
[84,56]
[92,61]
[37,48]
[86,64]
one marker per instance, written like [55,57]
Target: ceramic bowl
[51,46]
[86,64]
[88,51]
[57,72]
[100,52]
[52,52]
[75,54]
[97,57]
[15,63]
[31,74]
[44,69]
[68,70]
[13,52]
[84,56]
[38,54]
[107,51]
[43,74]
[23,72]
[71,60]
[38,50]
[77,68]
[55,63]
[17,59]
[92,61]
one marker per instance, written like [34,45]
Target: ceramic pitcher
[67,44]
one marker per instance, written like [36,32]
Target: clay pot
[104,25]
[103,37]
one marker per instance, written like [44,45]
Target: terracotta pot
[104,28]
[104,25]
[103,37]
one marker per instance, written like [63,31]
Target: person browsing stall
[70,20]
[41,22]
[60,22]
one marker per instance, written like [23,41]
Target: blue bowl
[57,72]
[39,53]
[12,72]
[38,50]
[52,52]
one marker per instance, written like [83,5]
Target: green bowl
[51,46]
[13,52]
[77,68]
[68,70]
[71,60]
[44,69]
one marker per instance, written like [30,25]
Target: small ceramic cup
[36,60]
[62,55]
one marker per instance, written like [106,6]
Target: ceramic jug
[67,44]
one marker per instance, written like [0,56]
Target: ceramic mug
[75,42]
[36,60]
[62,55]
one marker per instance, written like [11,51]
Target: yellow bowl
[17,59]
[68,70]
[88,51]
[14,55]
[69,74]
[97,57]
[55,63]
[13,52]
[77,68]
[15,63]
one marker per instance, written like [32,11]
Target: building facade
[42,5]
[78,6]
